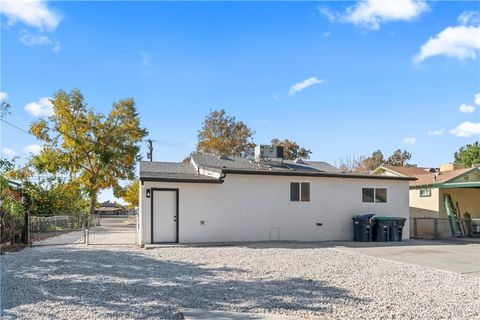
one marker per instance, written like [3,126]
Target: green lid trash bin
[388,228]
[381,229]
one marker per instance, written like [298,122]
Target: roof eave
[318,174]
[180,180]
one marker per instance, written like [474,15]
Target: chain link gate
[113,230]
[57,230]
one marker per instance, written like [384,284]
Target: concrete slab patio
[456,256]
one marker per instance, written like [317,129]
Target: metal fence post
[137,225]
[86,236]
[414,228]
[27,228]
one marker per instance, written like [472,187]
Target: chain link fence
[58,229]
[440,228]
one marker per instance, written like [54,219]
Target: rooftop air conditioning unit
[263,151]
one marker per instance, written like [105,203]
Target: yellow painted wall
[424,206]
[468,200]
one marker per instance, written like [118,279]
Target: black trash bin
[362,227]
[381,229]
[396,228]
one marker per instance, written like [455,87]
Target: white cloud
[327,34]
[43,107]
[435,132]
[466,129]
[465,108]
[304,84]
[371,13]
[477,98]
[461,42]
[329,14]
[33,149]
[469,18]
[3,95]
[8,152]
[34,13]
[410,140]
[39,39]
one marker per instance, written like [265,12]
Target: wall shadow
[130,284]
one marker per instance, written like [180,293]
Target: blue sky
[340,78]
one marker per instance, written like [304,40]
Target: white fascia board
[209,173]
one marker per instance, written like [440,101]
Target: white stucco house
[233,199]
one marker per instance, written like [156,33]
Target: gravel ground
[76,237]
[100,282]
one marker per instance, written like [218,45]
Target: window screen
[294,191]
[380,195]
[305,191]
[367,194]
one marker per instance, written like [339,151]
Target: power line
[15,126]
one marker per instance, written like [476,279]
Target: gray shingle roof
[238,163]
[187,172]
[171,171]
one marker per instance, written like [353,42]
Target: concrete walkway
[199,314]
[456,256]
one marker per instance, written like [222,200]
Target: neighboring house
[14,189]
[222,199]
[111,208]
[427,193]
[397,171]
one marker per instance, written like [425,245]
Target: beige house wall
[468,200]
[424,206]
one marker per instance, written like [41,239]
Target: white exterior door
[164,228]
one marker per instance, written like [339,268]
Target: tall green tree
[291,150]
[52,196]
[222,134]
[399,158]
[11,207]
[374,161]
[96,150]
[468,155]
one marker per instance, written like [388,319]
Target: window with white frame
[425,192]
[374,195]
[300,191]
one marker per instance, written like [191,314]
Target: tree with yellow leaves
[96,150]
[130,194]
[223,135]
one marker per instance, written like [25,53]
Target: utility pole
[150,150]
